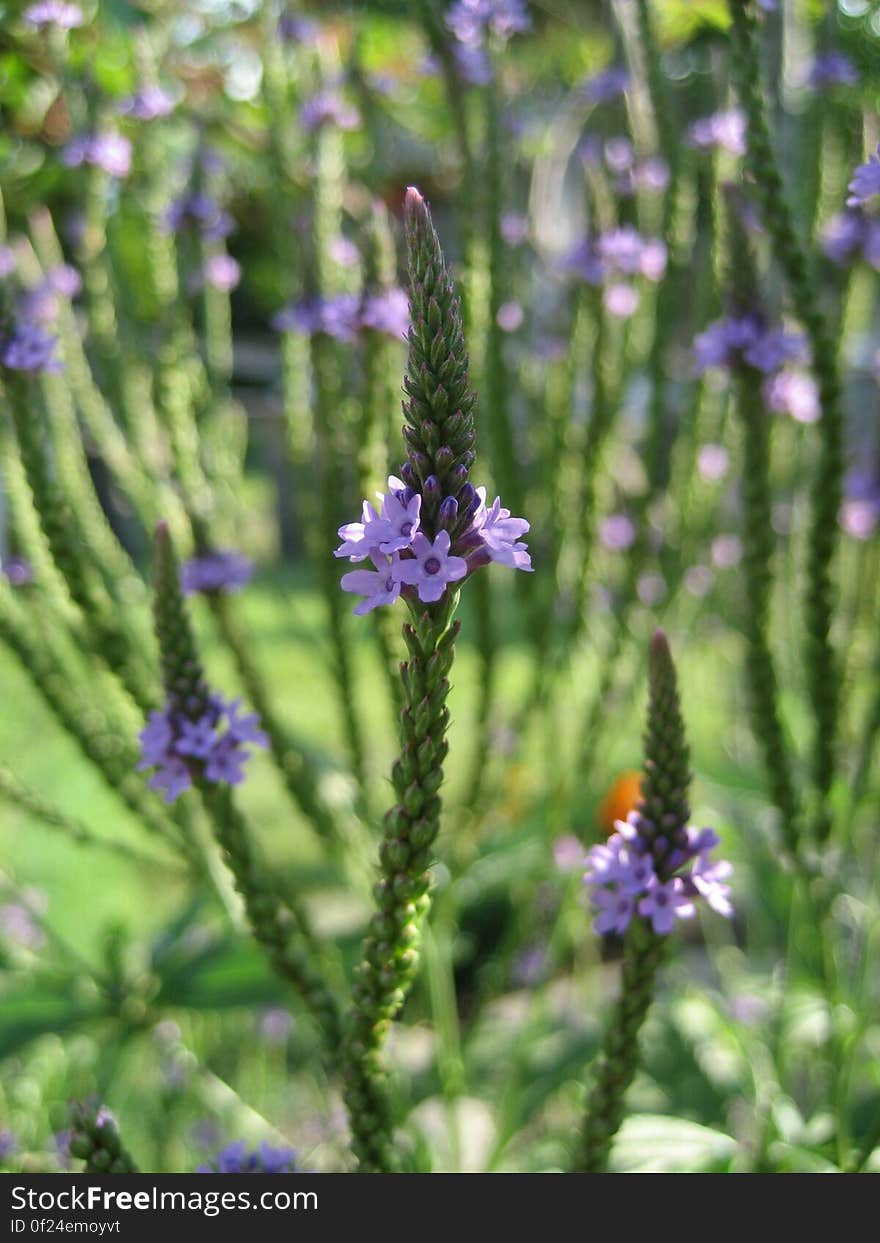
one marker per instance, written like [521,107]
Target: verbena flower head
[614,258]
[433,527]
[108,151]
[215,572]
[199,211]
[148,104]
[725,130]
[832,69]
[471,20]
[53,13]
[607,85]
[26,346]
[865,182]
[235,1158]
[739,340]
[328,108]
[211,746]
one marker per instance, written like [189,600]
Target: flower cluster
[25,345]
[850,233]
[472,22]
[407,560]
[860,511]
[235,1159]
[832,69]
[328,108]
[865,182]
[606,86]
[150,103]
[614,259]
[724,131]
[209,747]
[344,315]
[108,151]
[199,211]
[640,871]
[213,572]
[53,13]
[748,340]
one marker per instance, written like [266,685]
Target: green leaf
[37,1009]
[656,1144]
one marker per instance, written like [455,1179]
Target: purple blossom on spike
[865,183]
[379,586]
[500,533]
[27,347]
[236,1159]
[386,312]
[746,339]
[832,69]
[795,393]
[53,13]
[215,572]
[328,108]
[337,317]
[606,86]
[725,130]
[108,151]
[470,20]
[148,104]
[664,903]
[431,567]
[222,272]
[200,211]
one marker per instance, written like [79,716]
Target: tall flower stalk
[434,530]
[648,876]
[821,664]
[199,739]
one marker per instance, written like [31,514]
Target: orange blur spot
[621,798]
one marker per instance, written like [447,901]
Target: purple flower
[295,29]
[617,533]
[431,567]
[860,510]
[344,252]
[832,69]
[795,393]
[746,339]
[222,272]
[7,261]
[18,571]
[28,348]
[148,104]
[514,228]
[568,852]
[181,747]
[500,533]
[386,312]
[727,551]
[470,20]
[337,317]
[726,130]
[53,13]
[235,1159]
[510,316]
[108,151]
[379,586]
[328,108]
[213,572]
[709,881]
[713,462]
[200,211]
[606,86]
[865,182]
[276,1025]
[385,533]
[664,903]
[8,1144]
[620,300]
[843,236]
[616,910]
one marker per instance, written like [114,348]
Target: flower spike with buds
[651,873]
[432,531]
[94,1138]
[433,520]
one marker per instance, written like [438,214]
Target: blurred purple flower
[179,748]
[337,317]
[295,29]
[18,571]
[213,572]
[386,312]
[620,300]
[235,1159]
[606,86]
[275,1026]
[617,533]
[726,129]
[7,261]
[619,154]
[19,923]
[698,580]
[530,967]
[514,228]
[727,551]
[865,182]
[860,510]
[53,13]
[568,853]
[510,316]
[651,589]
[795,393]
[8,1144]
[27,347]
[713,462]
[470,20]
[108,151]
[148,104]
[200,211]
[222,272]
[344,252]
[832,69]
[328,108]
[746,339]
